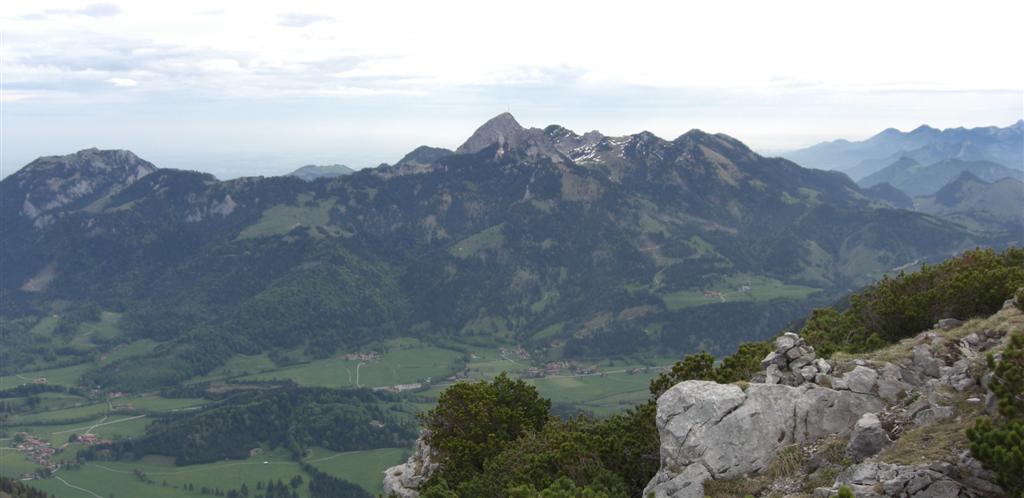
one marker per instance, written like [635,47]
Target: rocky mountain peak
[53,184]
[115,165]
[500,129]
[558,133]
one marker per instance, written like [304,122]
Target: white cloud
[739,45]
[774,74]
[296,20]
[122,82]
[91,10]
[99,10]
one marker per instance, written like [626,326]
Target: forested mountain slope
[578,245]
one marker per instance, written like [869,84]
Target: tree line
[291,417]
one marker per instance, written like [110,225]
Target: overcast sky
[247,88]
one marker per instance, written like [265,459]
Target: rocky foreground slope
[891,423]
[888,423]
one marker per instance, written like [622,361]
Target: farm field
[119,479]
[134,348]
[53,401]
[281,219]
[65,376]
[404,361]
[105,329]
[238,366]
[604,395]
[116,426]
[12,464]
[57,425]
[365,468]
[397,366]
[737,288]
[601,395]
[94,410]
[98,410]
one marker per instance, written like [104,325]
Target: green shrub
[576,458]
[699,366]
[473,422]
[973,284]
[845,492]
[739,366]
[999,444]
[562,488]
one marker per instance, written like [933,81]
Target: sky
[241,88]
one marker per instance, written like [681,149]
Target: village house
[582,370]
[534,372]
[365,357]
[36,450]
[399,387]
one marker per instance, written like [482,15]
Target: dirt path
[98,425]
[68,484]
[336,455]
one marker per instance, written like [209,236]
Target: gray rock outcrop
[877,480]
[717,431]
[858,408]
[55,185]
[868,438]
[405,480]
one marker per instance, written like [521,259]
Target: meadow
[58,416]
[64,376]
[365,468]
[119,479]
[737,288]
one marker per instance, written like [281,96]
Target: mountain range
[979,204]
[924,144]
[569,245]
[916,179]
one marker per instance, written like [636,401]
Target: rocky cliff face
[888,424]
[405,480]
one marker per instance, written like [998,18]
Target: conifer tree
[999,443]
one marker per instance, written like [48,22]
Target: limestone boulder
[876,480]
[720,431]
[405,480]
[868,438]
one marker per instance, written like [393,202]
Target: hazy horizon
[236,89]
[270,165]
